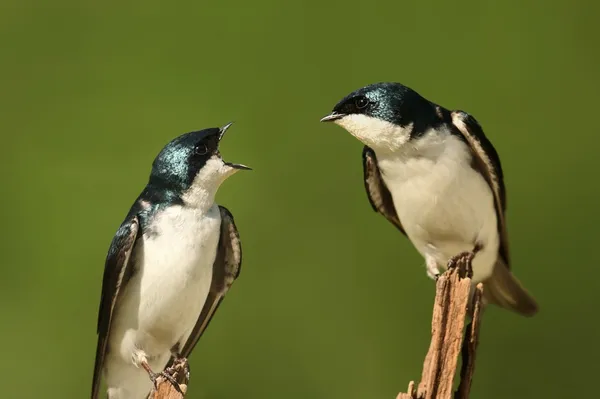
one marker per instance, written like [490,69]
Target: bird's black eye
[201,149]
[361,102]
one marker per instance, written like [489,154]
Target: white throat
[376,133]
[435,152]
[201,193]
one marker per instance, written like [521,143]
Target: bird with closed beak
[436,177]
[168,267]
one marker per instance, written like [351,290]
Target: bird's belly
[162,302]
[447,211]
[173,296]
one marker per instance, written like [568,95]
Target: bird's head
[384,116]
[192,163]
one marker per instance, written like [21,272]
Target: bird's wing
[226,269]
[486,162]
[117,272]
[378,193]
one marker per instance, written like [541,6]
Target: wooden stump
[450,312]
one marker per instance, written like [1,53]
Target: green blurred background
[332,301]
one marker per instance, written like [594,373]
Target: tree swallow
[436,177]
[168,267]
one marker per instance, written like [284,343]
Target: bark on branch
[166,390]
[450,311]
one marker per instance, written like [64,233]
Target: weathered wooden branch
[166,390]
[450,311]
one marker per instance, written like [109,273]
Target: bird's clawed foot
[179,362]
[462,261]
[166,374]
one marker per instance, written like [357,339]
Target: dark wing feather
[116,274]
[226,269]
[378,193]
[487,163]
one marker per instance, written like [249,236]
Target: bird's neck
[436,149]
[432,144]
[199,197]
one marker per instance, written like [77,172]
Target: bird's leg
[432,268]
[154,376]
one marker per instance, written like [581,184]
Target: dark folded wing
[117,271]
[226,269]
[486,162]
[378,193]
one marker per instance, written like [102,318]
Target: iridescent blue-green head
[192,163]
[385,115]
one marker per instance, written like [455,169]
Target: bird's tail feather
[503,289]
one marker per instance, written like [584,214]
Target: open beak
[238,166]
[332,117]
[224,129]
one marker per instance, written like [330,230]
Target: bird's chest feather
[442,202]
[176,261]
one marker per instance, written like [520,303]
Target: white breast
[163,300]
[444,205]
